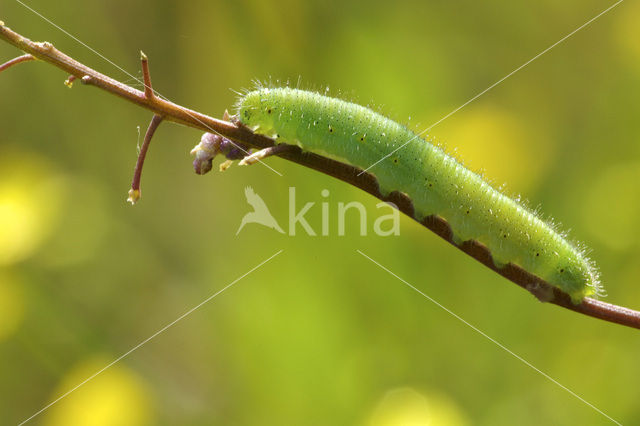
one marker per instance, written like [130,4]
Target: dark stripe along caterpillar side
[435,181]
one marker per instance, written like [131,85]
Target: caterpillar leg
[264,153]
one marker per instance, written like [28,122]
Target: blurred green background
[319,335]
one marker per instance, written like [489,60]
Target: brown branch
[134,192]
[16,61]
[352,175]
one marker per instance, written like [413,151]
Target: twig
[265,153]
[16,61]
[148,90]
[352,175]
[134,192]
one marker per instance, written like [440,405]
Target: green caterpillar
[436,182]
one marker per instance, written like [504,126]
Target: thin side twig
[134,192]
[349,174]
[148,89]
[16,61]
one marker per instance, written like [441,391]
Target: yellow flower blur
[408,407]
[29,204]
[115,397]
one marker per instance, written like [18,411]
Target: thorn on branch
[16,61]
[148,89]
[134,192]
[86,79]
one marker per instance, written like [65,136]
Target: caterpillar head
[255,109]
